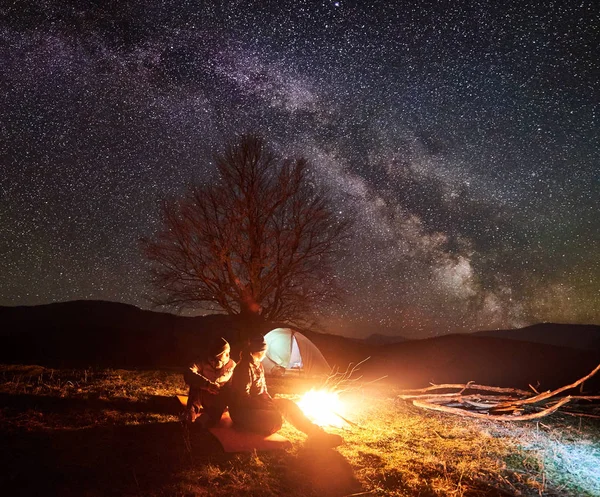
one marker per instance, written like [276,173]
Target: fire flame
[322,407]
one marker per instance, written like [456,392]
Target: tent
[291,350]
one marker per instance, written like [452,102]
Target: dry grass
[107,432]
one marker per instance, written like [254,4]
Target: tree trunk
[252,324]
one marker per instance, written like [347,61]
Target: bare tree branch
[260,240]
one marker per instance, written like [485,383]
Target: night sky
[465,137]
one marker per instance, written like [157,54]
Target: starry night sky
[465,137]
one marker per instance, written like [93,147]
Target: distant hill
[99,333]
[578,336]
[485,360]
[108,334]
[379,339]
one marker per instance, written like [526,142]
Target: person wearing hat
[252,408]
[208,380]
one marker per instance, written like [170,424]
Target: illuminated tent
[290,350]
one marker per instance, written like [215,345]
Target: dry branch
[499,407]
[340,382]
[553,393]
[467,386]
[479,405]
[495,417]
[581,414]
[454,396]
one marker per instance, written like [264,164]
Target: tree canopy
[262,239]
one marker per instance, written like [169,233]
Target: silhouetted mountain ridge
[108,334]
[381,339]
[461,358]
[577,336]
[87,332]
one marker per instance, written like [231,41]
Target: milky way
[464,136]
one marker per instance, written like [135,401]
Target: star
[464,140]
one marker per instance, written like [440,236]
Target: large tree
[262,239]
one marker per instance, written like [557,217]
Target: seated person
[252,408]
[208,379]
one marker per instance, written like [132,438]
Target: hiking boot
[323,440]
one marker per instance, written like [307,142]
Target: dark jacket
[248,386]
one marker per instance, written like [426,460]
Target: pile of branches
[497,403]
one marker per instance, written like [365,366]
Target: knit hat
[257,344]
[217,347]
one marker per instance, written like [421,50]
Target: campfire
[323,407]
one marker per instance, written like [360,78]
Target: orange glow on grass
[321,406]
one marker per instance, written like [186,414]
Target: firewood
[549,394]
[494,417]
[467,386]
[585,397]
[581,414]
[456,396]
[498,407]
[479,405]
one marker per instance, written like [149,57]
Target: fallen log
[499,407]
[466,386]
[493,417]
[585,397]
[581,414]
[479,405]
[549,394]
[455,396]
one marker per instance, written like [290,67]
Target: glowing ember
[321,406]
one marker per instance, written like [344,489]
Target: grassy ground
[116,432]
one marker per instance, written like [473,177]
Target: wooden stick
[377,379]
[581,414]
[469,386]
[455,396]
[494,417]
[549,394]
[466,387]
[347,420]
[504,410]
[479,405]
